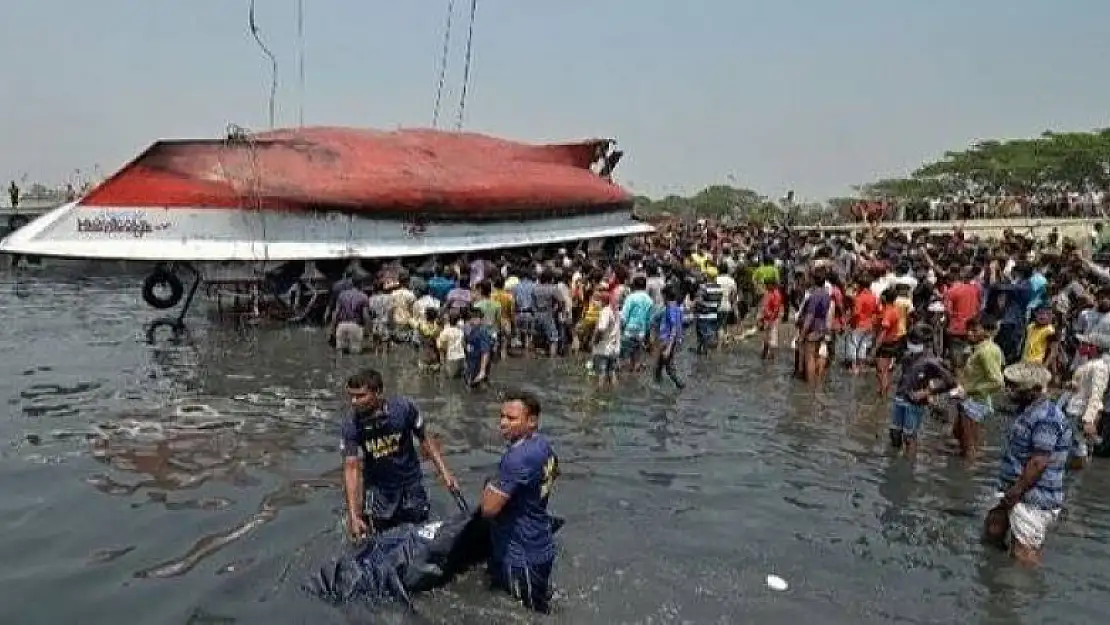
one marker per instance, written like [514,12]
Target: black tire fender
[162,277]
[178,327]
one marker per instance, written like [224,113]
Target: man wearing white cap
[1032,474]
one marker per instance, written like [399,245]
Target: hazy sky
[814,95]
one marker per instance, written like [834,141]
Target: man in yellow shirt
[1040,339]
[504,299]
[699,259]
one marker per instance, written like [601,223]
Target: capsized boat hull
[403,173]
[237,234]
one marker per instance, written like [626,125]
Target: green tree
[715,201]
[1053,162]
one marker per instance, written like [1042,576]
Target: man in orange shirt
[888,347]
[865,311]
[962,303]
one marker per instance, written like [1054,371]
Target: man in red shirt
[770,313]
[962,303]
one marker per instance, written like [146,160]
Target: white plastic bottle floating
[774,582]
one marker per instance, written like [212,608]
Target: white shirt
[655,286]
[608,333]
[450,342]
[728,291]
[402,300]
[1091,379]
[882,283]
[907,280]
[421,306]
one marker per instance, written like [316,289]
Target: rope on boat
[256,195]
[443,63]
[466,66]
[238,135]
[253,24]
[300,62]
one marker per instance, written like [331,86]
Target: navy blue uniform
[478,343]
[390,463]
[523,548]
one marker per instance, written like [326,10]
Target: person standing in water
[378,446]
[521,530]
[888,344]
[980,379]
[923,376]
[1084,400]
[606,343]
[770,314]
[671,329]
[1031,480]
[478,342]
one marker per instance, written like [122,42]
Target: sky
[810,95]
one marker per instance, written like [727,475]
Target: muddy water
[198,484]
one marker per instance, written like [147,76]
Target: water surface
[198,484]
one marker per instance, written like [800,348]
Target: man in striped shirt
[1031,481]
[707,312]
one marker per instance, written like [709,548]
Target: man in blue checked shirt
[1032,476]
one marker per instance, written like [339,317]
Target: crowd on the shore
[1088,205]
[958,332]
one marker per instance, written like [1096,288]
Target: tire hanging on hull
[162,278]
[177,327]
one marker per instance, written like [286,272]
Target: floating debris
[774,582]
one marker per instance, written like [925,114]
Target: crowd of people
[1090,204]
[958,332]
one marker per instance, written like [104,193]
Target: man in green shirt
[980,379]
[491,311]
[765,272]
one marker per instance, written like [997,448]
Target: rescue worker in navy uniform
[379,455]
[516,502]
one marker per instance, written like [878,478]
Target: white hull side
[213,234]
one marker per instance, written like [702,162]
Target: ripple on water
[45,399]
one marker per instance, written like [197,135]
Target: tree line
[1047,166]
[737,204]
[1051,164]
